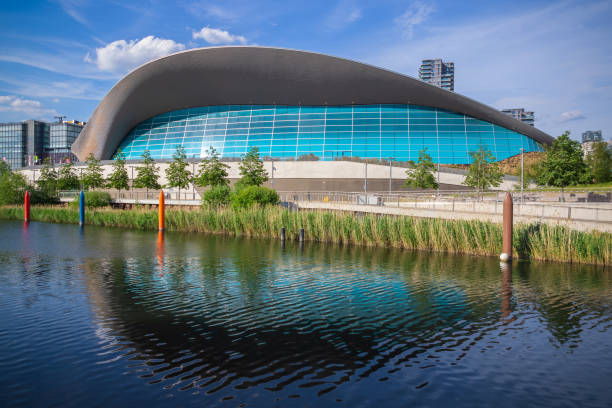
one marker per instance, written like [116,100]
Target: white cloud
[12,103]
[344,14]
[217,36]
[548,59]
[416,14]
[121,56]
[571,115]
[71,7]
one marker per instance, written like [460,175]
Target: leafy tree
[421,175]
[177,173]
[252,170]
[564,164]
[599,161]
[4,168]
[48,177]
[92,176]
[67,178]
[147,175]
[483,172]
[12,186]
[118,179]
[212,172]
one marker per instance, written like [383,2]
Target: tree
[4,168]
[421,175]
[599,161]
[92,176]
[67,178]
[177,173]
[212,172]
[483,172]
[147,175]
[47,181]
[118,179]
[12,186]
[564,164]
[252,169]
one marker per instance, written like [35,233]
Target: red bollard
[26,206]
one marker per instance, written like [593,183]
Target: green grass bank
[531,241]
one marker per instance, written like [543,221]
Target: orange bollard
[162,209]
[26,206]
[506,255]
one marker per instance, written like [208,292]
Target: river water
[110,317]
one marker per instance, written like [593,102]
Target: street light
[390,172]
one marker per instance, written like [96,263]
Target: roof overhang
[262,76]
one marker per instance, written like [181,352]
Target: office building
[522,115]
[592,136]
[62,136]
[438,73]
[290,104]
[23,143]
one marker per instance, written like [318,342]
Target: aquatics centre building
[289,104]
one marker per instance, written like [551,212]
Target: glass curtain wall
[13,138]
[328,132]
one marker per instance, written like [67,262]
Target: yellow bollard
[162,209]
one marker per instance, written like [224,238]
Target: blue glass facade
[287,132]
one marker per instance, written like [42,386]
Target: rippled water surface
[106,317]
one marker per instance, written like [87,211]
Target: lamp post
[390,173]
[365,183]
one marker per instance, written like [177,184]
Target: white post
[365,184]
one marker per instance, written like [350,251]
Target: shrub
[249,195]
[94,199]
[216,196]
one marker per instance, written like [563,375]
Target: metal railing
[137,196]
[578,206]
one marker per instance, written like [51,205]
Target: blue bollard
[82,208]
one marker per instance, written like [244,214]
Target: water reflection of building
[229,312]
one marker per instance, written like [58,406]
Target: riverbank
[531,241]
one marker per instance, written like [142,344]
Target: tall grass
[531,241]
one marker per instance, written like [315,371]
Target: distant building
[591,136]
[23,143]
[62,135]
[13,140]
[438,73]
[30,142]
[521,114]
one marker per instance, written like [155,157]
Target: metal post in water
[506,255]
[26,206]
[82,208]
[162,209]
[282,234]
[301,234]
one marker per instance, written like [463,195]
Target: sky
[61,57]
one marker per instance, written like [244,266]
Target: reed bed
[531,241]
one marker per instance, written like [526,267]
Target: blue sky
[555,58]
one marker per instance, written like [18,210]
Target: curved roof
[262,76]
